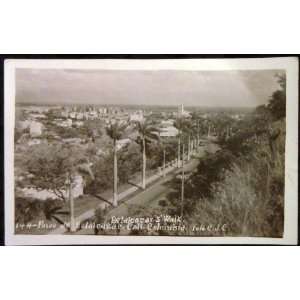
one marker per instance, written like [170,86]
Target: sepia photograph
[161,151]
[148,143]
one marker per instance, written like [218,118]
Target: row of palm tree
[190,131]
[146,134]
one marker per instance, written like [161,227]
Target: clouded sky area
[191,88]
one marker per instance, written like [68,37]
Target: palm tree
[163,147]
[115,131]
[189,131]
[164,162]
[198,132]
[182,182]
[194,129]
[209,129]
[147,133]
[180,124]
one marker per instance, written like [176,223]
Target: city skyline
[145,88]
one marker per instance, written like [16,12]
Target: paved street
[149,197]
[154,193]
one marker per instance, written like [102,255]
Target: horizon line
[149,105]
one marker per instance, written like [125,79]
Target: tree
[147,133]
[129,162]
[277,103]
[102,169]
[180,124]
[115,130]
[54,167]
[163,149]
[92,129]
[189,131]
[223,124]
[26,209]
[47,165]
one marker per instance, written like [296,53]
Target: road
[148,198]
[155,192]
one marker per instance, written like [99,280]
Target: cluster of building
[76,116]
[90,113]
[79,115]
[36,121]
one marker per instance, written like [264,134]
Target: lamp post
[115,187]
[178,154]
[71,203]
[182,182]
[189,148]
[164,163]
[198,135]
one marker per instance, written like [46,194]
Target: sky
[159,87]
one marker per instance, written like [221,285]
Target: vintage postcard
[162,151]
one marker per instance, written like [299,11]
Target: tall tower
[180,110]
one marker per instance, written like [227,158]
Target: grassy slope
[251,198]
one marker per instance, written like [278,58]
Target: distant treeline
[154,108]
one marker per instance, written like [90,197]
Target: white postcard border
[290,64]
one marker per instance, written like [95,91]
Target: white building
[93,115]
[137,116]
[79,123]
[168,131]
[180,109]
[65,113]
[35,129]
[166,123]
[238,116]
[79,116]
[77,186]
[102,110]
[66,123]
[72,115]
